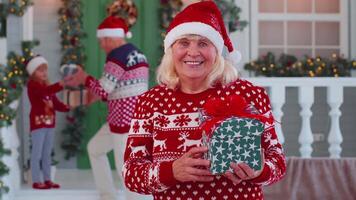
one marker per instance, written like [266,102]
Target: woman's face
[193,58]
[41,73]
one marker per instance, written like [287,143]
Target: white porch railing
[306,87]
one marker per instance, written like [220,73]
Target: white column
[15,143]
[6,159]
[278,98]
[11,142]
[335,99]
[306,99]
[27,23]
[3,51]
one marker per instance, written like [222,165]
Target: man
[125,77]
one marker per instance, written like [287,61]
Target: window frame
[341,17]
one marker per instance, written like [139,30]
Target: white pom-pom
[72,66]
[62,68]
[234,57]
[128,34]
[68,69]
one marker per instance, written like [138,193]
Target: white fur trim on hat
[110,32]
[35,63]
[234,57]
[196,28]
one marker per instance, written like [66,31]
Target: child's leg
[46,154]
[37,140]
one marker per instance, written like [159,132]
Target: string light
[288,65]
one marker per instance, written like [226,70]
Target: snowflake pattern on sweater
[166,125]
[125,77]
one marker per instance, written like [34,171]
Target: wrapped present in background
[76,97]
[232,132]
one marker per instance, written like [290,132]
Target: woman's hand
[243,172]
[192,167]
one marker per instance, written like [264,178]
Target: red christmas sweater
[44,103]
[125,77]
[155,141]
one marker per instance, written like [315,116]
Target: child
[44,103]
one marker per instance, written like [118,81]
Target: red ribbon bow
[233,105]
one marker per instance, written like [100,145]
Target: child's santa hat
[113,26]
[34,63]
[204,19]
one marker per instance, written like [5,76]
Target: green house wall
[146,36]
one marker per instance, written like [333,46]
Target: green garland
[71,31]
[13,77]
[14,7]
[290,66]
[3,169]
[231,15]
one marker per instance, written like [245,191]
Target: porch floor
[75,184]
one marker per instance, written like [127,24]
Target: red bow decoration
[233,105]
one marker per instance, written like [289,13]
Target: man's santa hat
[204,19]
[113,26]
[34,63]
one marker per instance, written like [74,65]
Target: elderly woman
[164,153]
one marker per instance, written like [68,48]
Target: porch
[78,184]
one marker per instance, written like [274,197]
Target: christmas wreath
[125,9]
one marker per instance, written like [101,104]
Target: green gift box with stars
[234,140]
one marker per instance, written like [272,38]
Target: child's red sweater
[44,103]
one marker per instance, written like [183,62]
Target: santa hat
[113,26]
[204,19]
[34,63]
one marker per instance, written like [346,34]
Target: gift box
[76,97]
[232,132]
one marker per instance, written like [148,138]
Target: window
[299,27]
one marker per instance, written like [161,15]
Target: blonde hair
[223,72]
[35,78]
